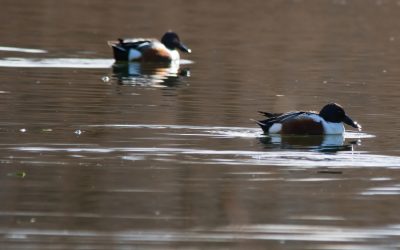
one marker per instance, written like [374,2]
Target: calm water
[102,156]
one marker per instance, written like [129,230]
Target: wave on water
[219,131]
[294,158]
[270,153]
[188,130]
[16,62]
[23,50]
[96,63]
[344,237]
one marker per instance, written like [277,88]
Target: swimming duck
[149,50]
[328,121]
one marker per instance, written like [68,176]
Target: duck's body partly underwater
[149,50]
[328,121]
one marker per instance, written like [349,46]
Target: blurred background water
[102,156]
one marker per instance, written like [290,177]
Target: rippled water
[98,155]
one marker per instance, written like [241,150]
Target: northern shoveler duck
[328,121]
[151,50]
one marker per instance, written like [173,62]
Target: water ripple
[327,236]
[303,159]
[20,62]
[304,152]
[16,62]
[220,131]
[23,50]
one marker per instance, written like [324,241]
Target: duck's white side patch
[275,128]
[134,54]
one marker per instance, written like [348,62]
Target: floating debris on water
[20,174]
[78,132]
[105,78]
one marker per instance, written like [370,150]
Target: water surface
[97,155]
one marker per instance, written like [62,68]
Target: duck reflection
[321,143]
[149,74]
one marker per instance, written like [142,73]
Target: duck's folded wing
[278,120]
[283,117]
[130,43]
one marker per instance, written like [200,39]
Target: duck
[329,121]
[149,49]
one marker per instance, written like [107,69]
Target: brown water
[96,156]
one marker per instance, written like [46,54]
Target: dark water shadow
[319,143]
[150,74]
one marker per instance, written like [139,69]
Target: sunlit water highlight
[22,50]
[328,153]
[352,237]
[15,62]
[219,131]
[383,190]
[19,62]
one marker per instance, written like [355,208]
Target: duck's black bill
[183,48]
[350,122]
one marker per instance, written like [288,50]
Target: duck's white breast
[332,128]
[174,55]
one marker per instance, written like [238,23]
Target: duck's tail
[120,53]
[264,125]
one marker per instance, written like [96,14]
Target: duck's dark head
[171,41]
[333,112]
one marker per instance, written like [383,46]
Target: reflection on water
[150,74]
[321,143]
[133,73]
